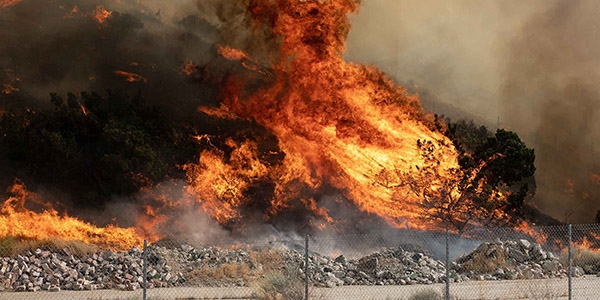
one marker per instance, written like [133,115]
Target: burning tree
[490,185]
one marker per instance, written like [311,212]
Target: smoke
[551,92]
[528,66]
[60,47]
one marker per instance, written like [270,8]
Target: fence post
[144,268]
[570,263]
[447,266]
[306,267]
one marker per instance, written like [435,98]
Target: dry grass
[268,260]
[229,272]
[262,262]
[11,246]
[583,257]
[429,294]
[281,285]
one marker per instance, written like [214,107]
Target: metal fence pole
[570,263]
[447,266]
[306,267]
[144,269]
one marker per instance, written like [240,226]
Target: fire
[539,236]
[339,124]
[227,182]
[8,3]
[130,77]
[83,109]
[9,87]
[16,220]
[189,67]
[595,178]
[101,14]
[570,187]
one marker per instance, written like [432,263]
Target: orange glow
[73,12]
[83,109]
[595,178]
[101,14]
[539,236]
[16,220]
[231,53]
[570,187]
[225,183]
[338,124]
[8,3]
[9,87]
[188,67]
[130,77]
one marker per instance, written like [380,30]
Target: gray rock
[525,244]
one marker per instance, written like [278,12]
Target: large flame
[16,220]
[338,123]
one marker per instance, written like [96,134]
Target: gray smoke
[528,66]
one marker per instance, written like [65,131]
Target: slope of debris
[511,260]
[186,265]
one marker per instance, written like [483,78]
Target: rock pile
[208,266]
[53,271]
[392,266]
[511,260]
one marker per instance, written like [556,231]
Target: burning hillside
[339,125]
[296,137]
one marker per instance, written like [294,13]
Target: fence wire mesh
[491,263]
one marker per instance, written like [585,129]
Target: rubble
[178,266]
[512,260]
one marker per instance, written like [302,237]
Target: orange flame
[9,87]
[338,123]
[539,236]
[83,109]
[8,3]
[101,14]
[16,220]
[570,187]
[130,77]
[189,67]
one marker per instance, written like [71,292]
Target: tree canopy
[491,184]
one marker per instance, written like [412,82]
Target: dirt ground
[587,288]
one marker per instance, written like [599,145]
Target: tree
[489,186]
[96,146]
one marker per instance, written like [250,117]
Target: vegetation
[489,187]
[95,146]
[584,257]
[500,161]
[428,294]
[284,284]
[11,246]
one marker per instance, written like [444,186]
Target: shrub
[428,294]
[285,284]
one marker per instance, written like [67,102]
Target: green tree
[489,187]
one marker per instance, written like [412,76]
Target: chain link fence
[491,263]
